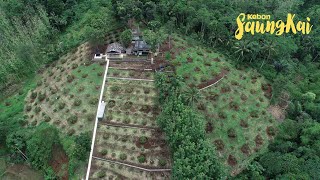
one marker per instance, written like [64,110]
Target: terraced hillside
[129,144]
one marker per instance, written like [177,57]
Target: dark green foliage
[39,146]
[77,102]
[34,95]
[72,119]
[83,146]
[61,105]
[143,139]
[37,109]
[162,162]
[70,78]
[141,158]
[104,152]
[126,37]
[185,131]
[123,156]
[41,96]
[115,88]
[16,143]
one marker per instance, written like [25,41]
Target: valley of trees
[35,33]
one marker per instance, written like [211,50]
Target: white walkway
[96,121]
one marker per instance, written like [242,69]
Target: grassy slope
[61,94]
[235,102]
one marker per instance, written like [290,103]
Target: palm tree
[192,96]
[269,47]
[242,48]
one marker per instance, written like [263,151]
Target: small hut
[101,110]
[115,50]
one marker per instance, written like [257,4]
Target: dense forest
[35,33]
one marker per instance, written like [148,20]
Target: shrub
[129,90]
[162,162]
[141,158]
[77,102]
[146,90]
[41,97]
[39,83]
[34,95]
[90,117]
[143,139]
[61,105]
[66,91]
[115,88]
[101,174]
[70,78]
[94,101]
[71,132]
[111,103]
[72,119]
[128,105]
[232,133]
[37,109]
[106,136]
[123,156]
[74,66]
[84,75]
[81,88]
[104,152]
[63,61]
[28,108]
[47,118]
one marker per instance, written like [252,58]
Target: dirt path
[133,166]
[130,79]
[213,81]
[127,125]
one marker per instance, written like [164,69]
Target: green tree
[39,146]
[126,37]
[83,146]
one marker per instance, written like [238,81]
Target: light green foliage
[126,37]
[154,38]
[309,96]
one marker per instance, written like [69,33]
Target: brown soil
[271,131]
[219,144]
[277,112]
[189,59]
[209,127]
[197,69]
[258,140]
[60,162]
[244,124]
[216,60]
[225,89]
[267,88]
[245,149]
[232,161]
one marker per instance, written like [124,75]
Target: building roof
[141,45]
[115,48]
[101,110]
